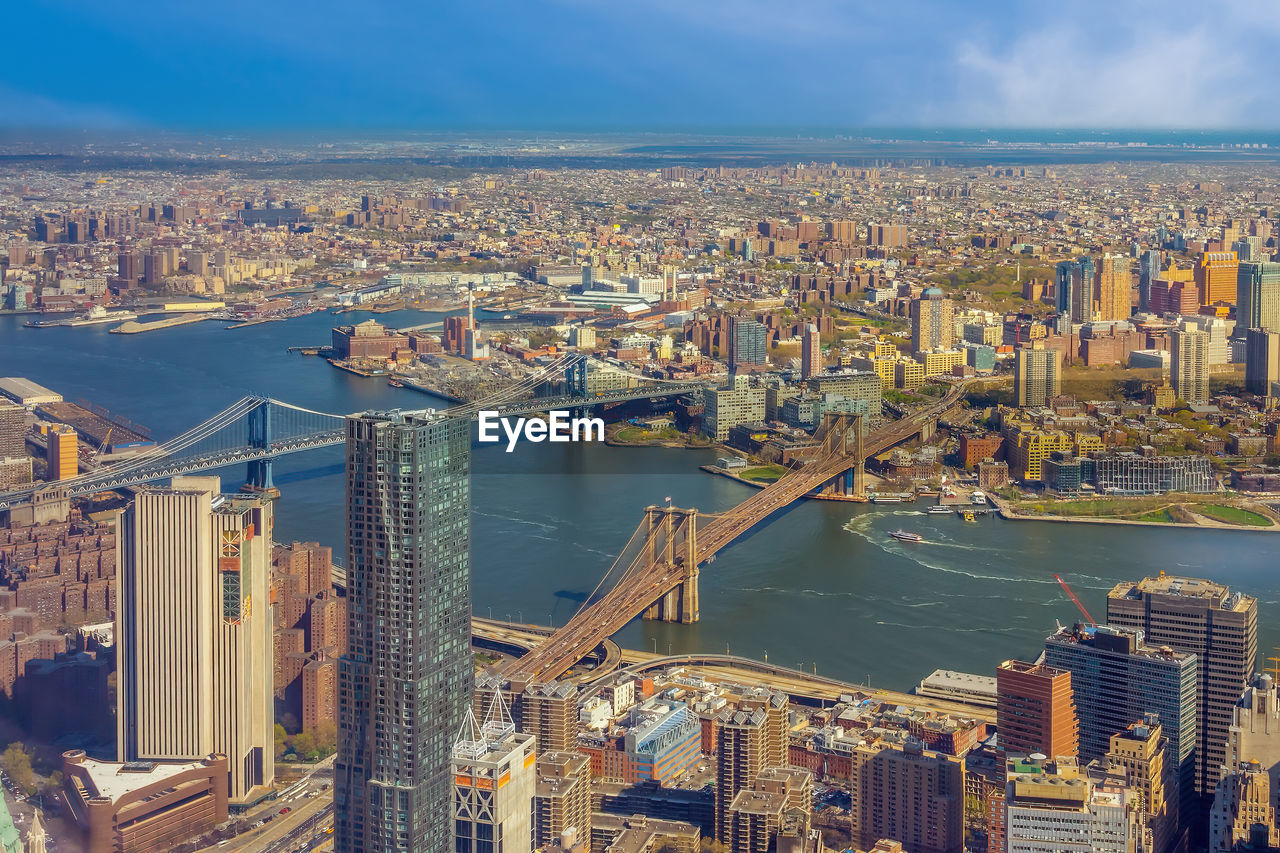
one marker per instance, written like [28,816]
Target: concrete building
[405,683]
[728,407]
[1254,733]
[909,794]
[748,344]
[142,806]
[13,431]
[1258,295]
[1219,627]
[852,385]
[562,797]
[1114,288]
[1054,808]
[1262,360]
[193,631]
[1216,277]
[494,782]
[1137,757]
[1035,711]
[932,323]
[62,453]
[1189,365]
[741,746]
[1116,678]
[810,352]
[1037,375]
[1243,815]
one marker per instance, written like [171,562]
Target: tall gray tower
[406,681]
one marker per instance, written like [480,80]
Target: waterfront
[825,585]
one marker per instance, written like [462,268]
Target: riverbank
[760,484]
[1173,513]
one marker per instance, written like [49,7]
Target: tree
[326,735]
[17,763]
[710,845]
[282,741]
[304,744]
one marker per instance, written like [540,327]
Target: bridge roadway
[642,585]
[802,687]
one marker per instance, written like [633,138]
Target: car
[286,810]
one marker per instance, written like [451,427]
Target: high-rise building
[1258,296]
[1216,277]
[1114,288]
[1148,271]
[13,431]
[1116,678]
[1035,711]
[1243,816]
[1037,375]
[887,235]
[909,794]
[193,630]
[1189,365]
[1074,298]
[932,326]
[747,343]
[810,352]
[62,453]
[494,782]
[728,407]
[405,683]
[1137,755]
[1261,361]
[1206,619]
[741,745]
[1254,733]
[562,799]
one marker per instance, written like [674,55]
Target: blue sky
[639,64]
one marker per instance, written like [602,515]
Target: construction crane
[1079,605]
[97,455]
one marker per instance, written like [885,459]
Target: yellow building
[884,368]
[886,349]
[1028,447]
[941,362]
[908,373]
[1216,277]
[63,456]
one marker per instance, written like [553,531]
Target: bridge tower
[672,541]
[260,470]
[575,376]
[841,435]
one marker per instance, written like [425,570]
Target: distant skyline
[641,65]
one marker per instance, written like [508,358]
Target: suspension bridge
[256,430]
[656,574]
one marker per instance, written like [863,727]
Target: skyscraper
[494,781]
[1116,678]
[193,631]
[1074,292]
[1189,365]
[741,738]
[1216,277]
[62,453]
[907,793]
[1205,619]
[1114,288]
[1148,271]
[1037,374]
[1261,361]
[747,346]
[405,683]
[1035,711]
[810,352]
[932,327]
[13,431]
[1258,296]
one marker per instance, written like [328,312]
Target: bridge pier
[676,529]
[259,477]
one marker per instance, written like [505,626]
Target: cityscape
[437,430]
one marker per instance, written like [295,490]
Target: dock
[133,327]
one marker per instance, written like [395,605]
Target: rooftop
[113,780]
[1214,594]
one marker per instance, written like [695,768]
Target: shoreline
[1010,514]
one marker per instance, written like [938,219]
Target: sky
[638,65]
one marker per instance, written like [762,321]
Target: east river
[822,584]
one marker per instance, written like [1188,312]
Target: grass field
[1233,515]
[763,474]
[633,433]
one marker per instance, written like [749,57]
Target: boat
[906,536]
[395,383]
[42,324]
[968,515]
[93,317]
[940,510]
[978,497]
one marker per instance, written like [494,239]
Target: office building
[1217,277]
[1035,711]
[1243,815]
[1136,758]
[1189,365]
[405,683]
[810,352]
[1262,361]
[748,344]
[1037,374]
[1254,733]
[1116,678]
[1208,620]
[494,782]
[1258,296]
[562,797]
[1114,288]
[1123,472]
[193,631]
[1148,272]
[909,794]
[932,324]
[863,386]
[62,453]
[1074,297]
[1053,807]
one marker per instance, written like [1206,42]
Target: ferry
[940,510]
[978,497]
[968,515]
[907,537]
[395,383]
[94,316]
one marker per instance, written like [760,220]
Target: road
[310,804]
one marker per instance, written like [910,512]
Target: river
[822,584]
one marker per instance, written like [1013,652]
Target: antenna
[470,744]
